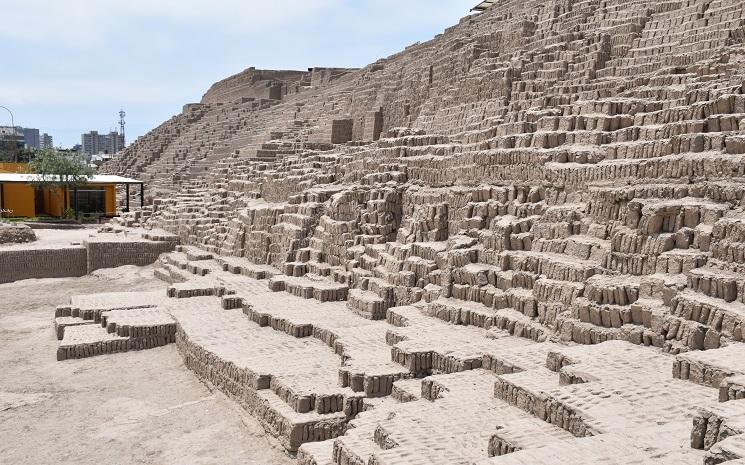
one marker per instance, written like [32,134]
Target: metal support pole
[13,128]
[75,202]
[12,119]
[127,188]
[142,194]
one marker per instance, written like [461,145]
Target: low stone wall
[57,225]
[113,254]
[246,388]
[19,264]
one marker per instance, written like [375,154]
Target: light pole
[12,127]
[12,120]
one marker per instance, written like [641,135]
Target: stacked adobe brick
[547,174]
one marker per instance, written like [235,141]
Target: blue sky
[74,63]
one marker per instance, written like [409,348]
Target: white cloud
[237,13]
[85,23]
[90,91]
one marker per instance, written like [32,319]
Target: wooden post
[142,194]
[2,200]
[127,188]
[75,203]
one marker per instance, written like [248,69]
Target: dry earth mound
[16,233]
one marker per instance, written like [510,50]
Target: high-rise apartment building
[94,143]
[31,138]
[46,141]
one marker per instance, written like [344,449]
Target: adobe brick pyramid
[521,242]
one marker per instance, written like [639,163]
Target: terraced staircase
[522,239]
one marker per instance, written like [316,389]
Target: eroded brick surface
[519,242]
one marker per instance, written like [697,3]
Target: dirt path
[130,408]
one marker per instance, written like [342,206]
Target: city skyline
[151,57]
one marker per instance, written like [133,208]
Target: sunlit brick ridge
[521,242]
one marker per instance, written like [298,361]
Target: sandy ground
[130,408]
[54,238]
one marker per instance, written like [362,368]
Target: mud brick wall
[341,130]
[249,83]
[565,174]
[16,265]
[373,125]
[114,254]
[243,386]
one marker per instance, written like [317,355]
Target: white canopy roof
[98,179]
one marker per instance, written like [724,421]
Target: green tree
[9,150]
[26,155]
[15,155]
[59,172]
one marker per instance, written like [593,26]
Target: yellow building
[20,198]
